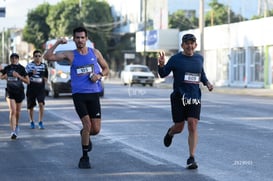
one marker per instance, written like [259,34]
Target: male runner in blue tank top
[87,68]
[188,72]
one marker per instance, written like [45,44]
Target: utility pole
[145,31]
[201,26]
[80,3]
[3,15]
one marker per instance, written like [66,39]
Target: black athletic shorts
[33,95]
[182,109]
[18,96]
[87,104]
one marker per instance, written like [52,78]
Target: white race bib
[12,78]
[85,69]
[192,78]
[37,80]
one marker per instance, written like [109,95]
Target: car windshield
[63,62]
[139,69]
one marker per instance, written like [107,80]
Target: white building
[131,14]
[239,54]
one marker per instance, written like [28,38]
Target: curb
[261,92]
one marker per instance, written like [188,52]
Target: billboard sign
[151,40]
[2,12]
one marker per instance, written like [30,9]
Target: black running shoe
[84,162]
[90,143]
[168,139]
[191,164]
[13,136]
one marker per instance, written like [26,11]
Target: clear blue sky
[247,8]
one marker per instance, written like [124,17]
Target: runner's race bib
[192,78]
[11,79]
[37,80]
[85,69]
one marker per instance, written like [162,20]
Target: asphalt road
[235,140]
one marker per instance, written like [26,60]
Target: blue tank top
[80,70]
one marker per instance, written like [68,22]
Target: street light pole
[201,26]
[2,15]
[3,45]
[80,3]
[145,31]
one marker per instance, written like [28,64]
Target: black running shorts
[33,95]
[18,96]
[87,104]
[182,110]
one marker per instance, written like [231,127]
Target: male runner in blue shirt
[188,72]
[87,68]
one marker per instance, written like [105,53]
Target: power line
[105,25]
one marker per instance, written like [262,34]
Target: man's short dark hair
[37,51]
[14,55]
[79,29]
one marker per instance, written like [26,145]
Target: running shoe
[32,125]
[191,164]
[13,135]
[168,139]
[90,143]
[84,162]
[41,126]
[17,129]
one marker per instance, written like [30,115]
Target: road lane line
[142,157]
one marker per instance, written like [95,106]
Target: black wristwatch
[101,74]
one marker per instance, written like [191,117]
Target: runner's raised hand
[161,59]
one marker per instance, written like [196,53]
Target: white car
[137,74]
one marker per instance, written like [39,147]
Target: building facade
[239,54]
[132,14]
[236,55]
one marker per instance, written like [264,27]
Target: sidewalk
[245,91]
[265,92]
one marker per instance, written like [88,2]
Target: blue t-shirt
[81,68]
[188,72]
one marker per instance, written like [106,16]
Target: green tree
[221,14]
[47,22]
[37,30]
[63,18]
[96,16]
[93,14]
[183,20]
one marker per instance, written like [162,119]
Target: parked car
[59,71]
[137,74]
[59,77]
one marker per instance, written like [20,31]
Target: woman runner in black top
[16,75]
